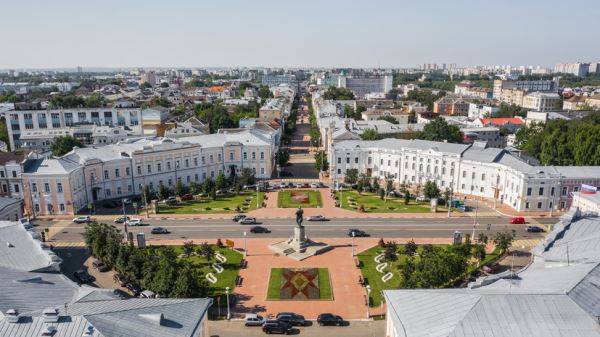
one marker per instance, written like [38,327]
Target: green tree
[410,248]
[63,145]
[412,117]
[205,250]
[283,158]
[321,162]
[390,252]
[194,187]
[360,185]
[186,284]
[220,181]
[208,186]
[163,192]
[388,119]
[339,94]
[180,188]
[431,190]
[247,177]
[370,134]
[95,101]
[351,176]
[439,130]
[188,248]
[503,241]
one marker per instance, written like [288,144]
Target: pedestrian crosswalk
[66,244]
[527,243]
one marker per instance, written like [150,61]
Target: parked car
[82,219]
[147,294]
[188,196]
[306,185]
[291,318]
[357,233]
[283,185]
[517,220]
[159,230]
[134,222]
[135,290]
[122,219]
[121,279]
[291,185]
[421,198]
[247,221]
[259,229]
[170,200]
[299,185]
[535,229]
[127,201]
[82,276]
[238,217]
[100,266]
[273,326]
[314,185]
[317,217]
[330,319]
[250,187]
[254,320]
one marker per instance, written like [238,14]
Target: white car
[247,221]
[134,222]
[421,198]
[82,219]
[317,218]
[314,185]
[127,201]
[254,320]
[283,185]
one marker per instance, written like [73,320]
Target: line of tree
[62,145]
[321,163]
[562,142]
[69,100]
[439,130]
[338,94]
[154,268]
[425,97]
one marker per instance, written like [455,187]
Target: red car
[517,220]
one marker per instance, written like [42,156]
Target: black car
[135,290]
[159,230]
[276,327]
[238,217]
[259,229]
[357,233]
[101,266]
[291,318]
[535,229]
[122,219]
[330,319]
[82,276]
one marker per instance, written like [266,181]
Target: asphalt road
[352,329]
[281,228]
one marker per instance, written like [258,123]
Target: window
[59,187]
[187,163]
[203,160]
[253,155]
[37,207]
[541,191]
[49,208]
[14,174]
[1,174]
[473,176]
[369,160]
[464,174]
[443,170]
[188,179]
[33,187]
[356,160]
[483,177]
[564,191]
[117,173]
[529,191]
[46,187]
[139,170]
[245,155]
[169,166]
[196,161]
[105,174]
[262,170]
[389,163]
[219,157]
[203,175]
[196,177]
[119,191]
[107,192]
[211,159]
[262,155]
[339,160]
[552,191]
[62,207]
[347,160]
[380,161]
[562,204]
[451,171]
[539,204]
[149,168]
[170,182]
[158,167]
[16,188]
[576,188]
[230,155]
[527,205]
[129,188]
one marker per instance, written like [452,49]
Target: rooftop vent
[10,245]
[48,331]
[50,315]
[153,318]
[12,316]
[88,332]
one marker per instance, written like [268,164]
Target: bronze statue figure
[299,214]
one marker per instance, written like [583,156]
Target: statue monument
[299,246]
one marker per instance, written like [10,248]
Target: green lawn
[226,203]
[273,292]
[285,199]
[226,278]
[373,204]
[373,277]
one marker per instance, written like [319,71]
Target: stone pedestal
[299,246]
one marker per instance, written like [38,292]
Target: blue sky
[374,33]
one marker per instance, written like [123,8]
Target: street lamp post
[256,195]
[227,293]
[368,300]
[475,219]
[353,243]
[245,249]
[450,199]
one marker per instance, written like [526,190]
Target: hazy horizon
[339,34]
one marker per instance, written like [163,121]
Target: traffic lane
[323,229]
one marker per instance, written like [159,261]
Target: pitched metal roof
[22,250]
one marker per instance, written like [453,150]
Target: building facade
[540,101]
[475,170]
[84,176]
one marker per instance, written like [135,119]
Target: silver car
[254,320]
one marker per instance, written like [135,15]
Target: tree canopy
[370,134]
[388,119]
[425,97]
[562,142]
[439,130]
[338,94]
[64,144]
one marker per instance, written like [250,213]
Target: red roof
[502,121]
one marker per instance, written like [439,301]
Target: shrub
[381,243]
[226,208]
[207,208]
[219,243]
[362,208]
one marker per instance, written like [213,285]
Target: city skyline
[275,34]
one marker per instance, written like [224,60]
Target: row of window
[59,187]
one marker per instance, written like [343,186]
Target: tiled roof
[502,121]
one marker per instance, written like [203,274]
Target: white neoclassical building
[476,170]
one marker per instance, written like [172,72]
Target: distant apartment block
[276,80]
[541,101]
[504,87]
[469,89]
[577,69]
[33,117]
